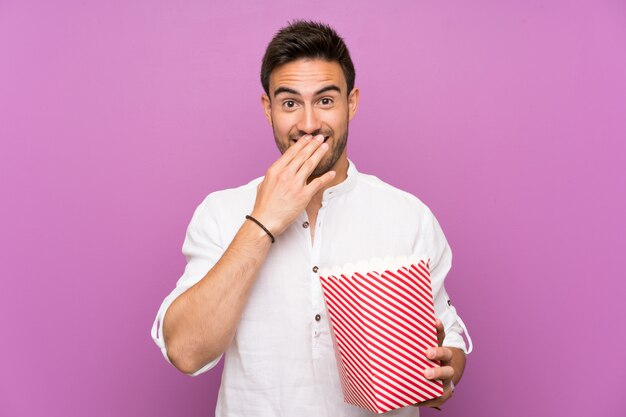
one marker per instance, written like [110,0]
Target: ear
[353,102]
[267,107]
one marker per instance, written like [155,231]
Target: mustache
[324,132]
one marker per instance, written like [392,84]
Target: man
[251,286]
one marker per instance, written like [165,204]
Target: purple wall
[508,120]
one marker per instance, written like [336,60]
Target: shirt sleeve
[202,249]
[433,242]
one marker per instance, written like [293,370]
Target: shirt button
[318,317]
[305,224]
[315,269]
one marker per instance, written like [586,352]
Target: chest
[312,213]
[312,220]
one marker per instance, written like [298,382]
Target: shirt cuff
[455,328]
[157,335]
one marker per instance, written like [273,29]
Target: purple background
[117,118]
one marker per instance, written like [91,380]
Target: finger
[441,333]
[443,373]
[310,164]
[305,153]
[319,182]
[439,354]
[292,151]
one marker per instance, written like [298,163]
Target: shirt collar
[345,186]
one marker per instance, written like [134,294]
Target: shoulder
[372,187]
[400,212]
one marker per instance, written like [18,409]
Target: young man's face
[309,96]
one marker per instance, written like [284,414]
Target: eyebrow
[288,90]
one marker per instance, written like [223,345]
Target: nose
[309,122]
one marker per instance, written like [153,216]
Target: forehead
[307,76]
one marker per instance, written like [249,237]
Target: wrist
[258,223]
[267,220]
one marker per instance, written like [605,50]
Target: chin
[323,167]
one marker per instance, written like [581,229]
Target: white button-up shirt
[281,361]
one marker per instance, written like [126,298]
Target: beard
[331,157]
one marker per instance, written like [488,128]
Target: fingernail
[429,373]
[430,352]
[319,138]
[324,146]
[307,137]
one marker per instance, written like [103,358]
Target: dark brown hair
[306,39]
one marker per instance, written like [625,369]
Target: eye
[326,101]
[289,104]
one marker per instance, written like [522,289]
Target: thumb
[441,333]
[320,182]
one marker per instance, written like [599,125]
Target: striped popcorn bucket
[382,319]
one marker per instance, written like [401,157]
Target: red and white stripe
[382,324]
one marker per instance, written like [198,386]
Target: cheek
[282,124]
[337,120]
